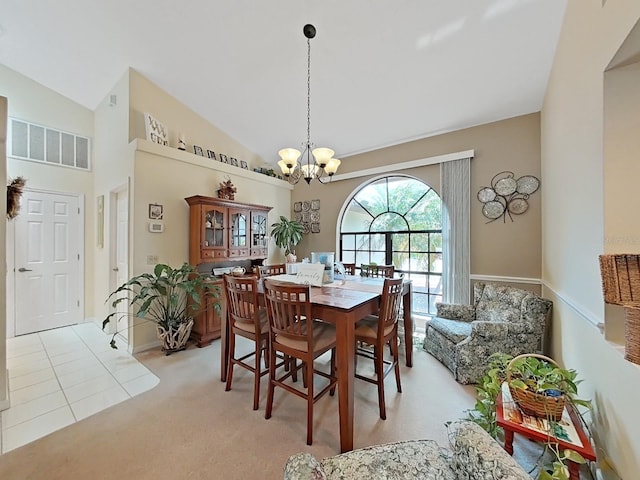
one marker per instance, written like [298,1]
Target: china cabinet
[221,230]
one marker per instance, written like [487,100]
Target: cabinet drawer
[240,252]
[207,253]
[259,252]
[219,253]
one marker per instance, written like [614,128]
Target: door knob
[22,269]
[115,269]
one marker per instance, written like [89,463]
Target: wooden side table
[512,420]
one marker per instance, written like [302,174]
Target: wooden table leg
[408,326]
[508,441]
[345,351]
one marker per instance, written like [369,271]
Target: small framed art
[211,154]
[244,165]
[234,161]
[198,150]
[156,211]
[224,158]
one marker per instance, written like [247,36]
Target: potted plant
[287,234]
[533,374]
[167,297]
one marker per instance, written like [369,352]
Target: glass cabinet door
[238,228]
[214,228]
[259,230]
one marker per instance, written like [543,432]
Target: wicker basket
[536,404]
[621,286]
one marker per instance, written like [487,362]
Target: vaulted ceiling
[382,71]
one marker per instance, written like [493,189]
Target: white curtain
[455,186]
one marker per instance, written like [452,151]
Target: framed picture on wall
[234,161]
[198,150]
[211,154]
[244,165]
[156,211]
[224,158]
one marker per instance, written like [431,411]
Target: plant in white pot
[167,297]
[287,234]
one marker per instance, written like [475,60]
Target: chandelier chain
[308,91]
[314,163]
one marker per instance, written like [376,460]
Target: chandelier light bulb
[332,166]
[322,156]
[289,156]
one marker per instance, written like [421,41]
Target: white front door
[48,235]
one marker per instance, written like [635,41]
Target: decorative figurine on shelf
[227,189]
[181,143]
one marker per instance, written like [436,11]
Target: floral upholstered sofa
[473,455]
[502,319]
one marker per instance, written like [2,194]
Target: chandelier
[322,164]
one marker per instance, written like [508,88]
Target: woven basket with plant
[539,386]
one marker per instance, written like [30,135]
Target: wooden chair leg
[309,376]
[396,359]
[232,352]
[257,376]
[334,371]
[272,377]
[378,353]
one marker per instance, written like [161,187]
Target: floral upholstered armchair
[502,319]
[473,455]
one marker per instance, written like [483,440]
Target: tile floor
[58,377]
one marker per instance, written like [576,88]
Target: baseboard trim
[501,279]
[5,403]
[147,346]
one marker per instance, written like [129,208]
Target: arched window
[397,220]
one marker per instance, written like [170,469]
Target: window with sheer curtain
[397,220]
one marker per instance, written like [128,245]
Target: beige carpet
[188,427]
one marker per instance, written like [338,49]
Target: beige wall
[497,249]
[167,176]
[573,221]
[146,97]
[622,149]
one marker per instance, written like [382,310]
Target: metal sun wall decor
[507,196]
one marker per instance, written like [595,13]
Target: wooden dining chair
[248,320]
[378,331]
[269,270]
[294,333]
[385,271]
[349,268]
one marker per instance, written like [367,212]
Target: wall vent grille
[29,141]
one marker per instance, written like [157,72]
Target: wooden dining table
[342,303]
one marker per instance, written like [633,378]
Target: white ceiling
[382,71]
